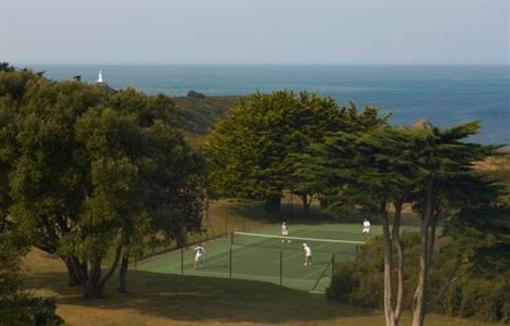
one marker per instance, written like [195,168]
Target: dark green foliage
[458,285]
[16,306]
[12,248]
[92,173]
[381,168]
[254,151]
[28,311]
[365,275]
[4,66]
[344,283]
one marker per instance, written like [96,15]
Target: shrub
[454,288]
[29,311]
[344,283]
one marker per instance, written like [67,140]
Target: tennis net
[271,241]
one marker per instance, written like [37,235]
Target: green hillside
[199,113]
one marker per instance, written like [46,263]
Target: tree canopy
[253,150]
[93,173]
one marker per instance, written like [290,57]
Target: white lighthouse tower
[100,77]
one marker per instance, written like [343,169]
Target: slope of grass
[199,114]
[162,299]
[165,299]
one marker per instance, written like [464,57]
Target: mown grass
[162,299]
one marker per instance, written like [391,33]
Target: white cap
[304,244]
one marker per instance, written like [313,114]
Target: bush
[29,311]
[454,289]
[485,299]
[343,284]
[16,307]
[361,282]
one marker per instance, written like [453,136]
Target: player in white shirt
[285,232]
[308,254]
[366,227]
[199,256]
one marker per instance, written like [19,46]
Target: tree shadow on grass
[188,298]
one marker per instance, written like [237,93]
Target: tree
[48,180]
[445,160]
[307,177]
[471,271]
[372,171]
[387,167]
[175,196]
[253,149]
[83,163]
[172,177]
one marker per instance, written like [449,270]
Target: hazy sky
[263,31]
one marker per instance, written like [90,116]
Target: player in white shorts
[199,256]
[308,254]
[285,232]
[366,227]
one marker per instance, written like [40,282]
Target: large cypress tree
[380,170]
[373,173]
[254,151]
[446,162]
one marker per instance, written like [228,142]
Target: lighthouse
[100,77]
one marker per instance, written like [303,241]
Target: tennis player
[308,254]
[366,227]
[285,232]
[199,256]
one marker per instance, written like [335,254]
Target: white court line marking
[298,238]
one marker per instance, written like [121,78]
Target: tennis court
[260,255]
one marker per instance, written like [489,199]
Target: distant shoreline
[219,105]
[445,94]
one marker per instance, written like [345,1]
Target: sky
[254,32]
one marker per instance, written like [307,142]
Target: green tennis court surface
[246,256]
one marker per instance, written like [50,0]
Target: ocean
[446,95]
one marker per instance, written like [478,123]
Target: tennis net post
[281,268]
[230,264]
[182,261]
[332,265]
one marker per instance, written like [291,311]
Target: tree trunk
[420,293]
[77,276]
[122,286]
[273,204]
[323,202]
[95,284]
[400,261]
[92,288]
[110,272]
[306,203]
[432,240]
[388,275]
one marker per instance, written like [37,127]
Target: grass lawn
[157,298]
[169,299]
